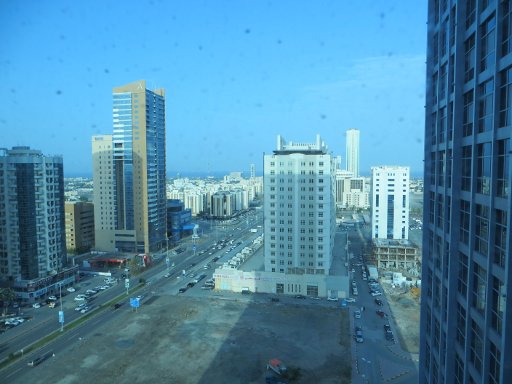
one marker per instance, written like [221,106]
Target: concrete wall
[268,282]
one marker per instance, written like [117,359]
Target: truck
[373,274]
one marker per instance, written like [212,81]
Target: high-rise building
[79,226]
[299,208]
[466,282]
[129,173]
[32,230]
[390,202]
[353,151]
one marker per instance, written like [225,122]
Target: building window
[466,168]
[462,285]
[461,326]
[482,229]
[465,212]
[505,115]
[497,304]
[494,362]
[503,167]
[467,117]
[483,180]
[469,58]
[487,43]
[500,237]
[479,287]
[485,106]
[476,346]
[470,12]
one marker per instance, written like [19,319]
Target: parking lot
[184,339]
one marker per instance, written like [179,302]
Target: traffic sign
[134,302]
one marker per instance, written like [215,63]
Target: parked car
[357,314]
[359,335]
[36,305]
[350,300]
[300,296]
[380,313]
[71,289]
[330,298]
[182,289]
[378,302]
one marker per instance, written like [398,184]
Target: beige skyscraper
[129,173]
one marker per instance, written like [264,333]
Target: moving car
[71,289]
[36,305]
[378,302]
[182,289]
[357,314]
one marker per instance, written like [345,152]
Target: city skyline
[233,84]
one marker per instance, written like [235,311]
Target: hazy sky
[236,74]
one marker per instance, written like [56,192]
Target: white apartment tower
[390,202]
[299,208]
[353,152]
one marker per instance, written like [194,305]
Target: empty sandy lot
[176,339]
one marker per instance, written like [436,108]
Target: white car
[377,293]
[357,314]
[80,298]
[167,275]
[332,298]
[350,300]
[53,298]
[36,305]
[71,289]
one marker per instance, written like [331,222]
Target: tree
[7,295]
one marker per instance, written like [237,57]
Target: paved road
[45,320]
[376,360]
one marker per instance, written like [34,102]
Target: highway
[45,320]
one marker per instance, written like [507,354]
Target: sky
[236,74]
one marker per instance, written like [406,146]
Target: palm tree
[6,296]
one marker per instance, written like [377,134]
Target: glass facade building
[129,173]
[466,282]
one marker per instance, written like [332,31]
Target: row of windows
[441,168]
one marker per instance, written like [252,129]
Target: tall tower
[253,171]
[353,152]
[299,208]
[32,229]
[466,282]
[390,202]
[129,173]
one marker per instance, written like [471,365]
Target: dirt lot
[193,340]
[406,312]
